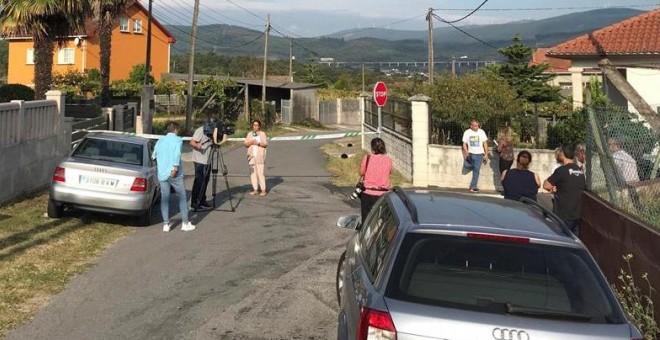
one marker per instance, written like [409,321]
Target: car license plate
[97,181]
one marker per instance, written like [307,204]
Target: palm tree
[47,21]
[106,13]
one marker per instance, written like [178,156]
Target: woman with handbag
[375,170]
[256,143]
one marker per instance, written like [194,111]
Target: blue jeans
[475,165]
[177,184]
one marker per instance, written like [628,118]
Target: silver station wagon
[432,265]
[108,173]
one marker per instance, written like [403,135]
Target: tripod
[213,167]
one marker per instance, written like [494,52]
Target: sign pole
[380,97]
[380,120]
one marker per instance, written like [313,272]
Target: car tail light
[58,175]
[139,184]
[502,238]
[376,325]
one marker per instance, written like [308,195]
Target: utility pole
[363,84]
[147,64]
[453,65]
[429,18]
[291,60]
[263,85]
[191,67]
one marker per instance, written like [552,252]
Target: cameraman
[201,150]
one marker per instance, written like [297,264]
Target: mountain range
[381,44]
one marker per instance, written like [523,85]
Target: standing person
[375,168]
[505,148]
[201,150]
[568,183]
[475,152]
[520,182]
[626,165]
[256,143]
[167,154]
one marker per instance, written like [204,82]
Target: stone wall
[399,148]
[446,164]
[34,139]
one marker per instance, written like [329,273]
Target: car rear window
[110,151]
[501,277]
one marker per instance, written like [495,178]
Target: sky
[310,18]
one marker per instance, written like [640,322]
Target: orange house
[81,52]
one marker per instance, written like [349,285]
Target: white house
[633,45]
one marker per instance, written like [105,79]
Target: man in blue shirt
[167,154]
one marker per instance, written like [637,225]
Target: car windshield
[498,277]
[110,151]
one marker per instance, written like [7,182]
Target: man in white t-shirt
[475,152]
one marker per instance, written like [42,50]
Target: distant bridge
[458,63]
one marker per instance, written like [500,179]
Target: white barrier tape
[238,139]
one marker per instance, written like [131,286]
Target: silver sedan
[107,173]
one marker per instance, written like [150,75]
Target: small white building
[633,45]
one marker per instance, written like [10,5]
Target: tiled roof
[638,35]
[556,65]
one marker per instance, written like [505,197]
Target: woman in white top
[256,143]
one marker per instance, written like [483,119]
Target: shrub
[637,303]
[570,130]
[11,92]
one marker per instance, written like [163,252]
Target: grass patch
[347,171]
[39,256]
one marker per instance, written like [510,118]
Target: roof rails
[548,214]
[408,203]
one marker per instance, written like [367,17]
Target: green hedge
[11,92]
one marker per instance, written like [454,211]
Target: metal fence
[129,119]
[80,128]
[623,158]
[396,116]
[287,114]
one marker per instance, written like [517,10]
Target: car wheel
[340,276]
[55,210]
[144,219]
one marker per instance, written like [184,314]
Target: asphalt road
[265,271]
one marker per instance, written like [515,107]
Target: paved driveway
[264,272]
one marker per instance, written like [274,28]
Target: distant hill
[396,45]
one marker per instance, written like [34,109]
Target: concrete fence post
[118,112]
[147,106]
[338,111]
[18,127]
[137,119]
[60,98]
[107,113]
[421,117]
[363,108]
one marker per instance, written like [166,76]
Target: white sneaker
[167,227]
[187,226]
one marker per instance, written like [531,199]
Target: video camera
[215,127]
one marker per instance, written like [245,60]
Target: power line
[466,33]
[545,8]
[465,17]
[247,10]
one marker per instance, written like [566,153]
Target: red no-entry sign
[380,94]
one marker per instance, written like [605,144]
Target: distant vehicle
[107,173]
[432,265]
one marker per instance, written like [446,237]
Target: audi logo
[509,334]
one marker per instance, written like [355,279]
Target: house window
[137,26]
[65,56]
[123,24]
[30,56]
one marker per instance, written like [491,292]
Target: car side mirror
[352,222]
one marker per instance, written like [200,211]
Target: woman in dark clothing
[520,182]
